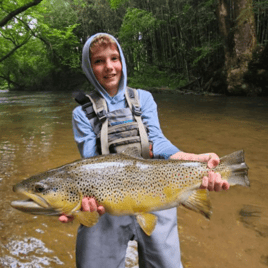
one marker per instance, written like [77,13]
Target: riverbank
[213,87]
[164,90]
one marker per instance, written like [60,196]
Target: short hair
[103,40]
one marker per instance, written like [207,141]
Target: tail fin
[239,169]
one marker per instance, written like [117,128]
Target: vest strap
[133,102]
[100,108]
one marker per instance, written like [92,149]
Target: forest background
[216,46]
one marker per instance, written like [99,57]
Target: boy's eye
[97,61]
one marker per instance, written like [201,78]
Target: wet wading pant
[104,245]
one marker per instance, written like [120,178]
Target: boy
[104,245]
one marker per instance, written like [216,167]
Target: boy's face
[107,67]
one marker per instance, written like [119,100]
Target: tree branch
[8,38]
[14,49]
[13,13]
[10,81]
[33,33]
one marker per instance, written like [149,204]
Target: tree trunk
[237,27]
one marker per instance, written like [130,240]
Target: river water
[36,135]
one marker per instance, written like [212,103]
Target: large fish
[125,184]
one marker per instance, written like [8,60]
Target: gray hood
[86,66]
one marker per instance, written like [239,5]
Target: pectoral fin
[87,218]
[199,202]
[147,222]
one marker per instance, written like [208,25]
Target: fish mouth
[35,204]
[30,206]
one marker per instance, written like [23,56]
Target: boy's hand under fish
[88,204]
[213,182]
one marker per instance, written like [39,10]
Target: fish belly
[142,202]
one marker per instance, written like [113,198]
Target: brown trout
[125,184]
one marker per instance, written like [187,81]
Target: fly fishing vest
[119,129]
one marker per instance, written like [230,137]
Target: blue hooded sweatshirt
[83,131]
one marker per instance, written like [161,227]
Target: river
[36,135]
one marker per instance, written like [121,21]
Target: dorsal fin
[132,151]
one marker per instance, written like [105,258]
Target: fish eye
[39,188]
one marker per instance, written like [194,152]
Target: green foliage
[48,43]
[136,34]
[95,16]
[137,22]
[116,3]
[205,51]
[58,31]
[151,77]
[260,4]
[260,8]
[28,67]
[166,43]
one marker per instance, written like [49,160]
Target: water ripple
[27,253]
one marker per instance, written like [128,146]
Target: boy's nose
[109,64]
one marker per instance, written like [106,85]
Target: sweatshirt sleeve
[83,134]
[162,147]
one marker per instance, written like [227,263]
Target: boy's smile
[107,67]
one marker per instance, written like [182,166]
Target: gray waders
[104,245]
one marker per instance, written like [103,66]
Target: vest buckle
[136,110]
[101,115]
